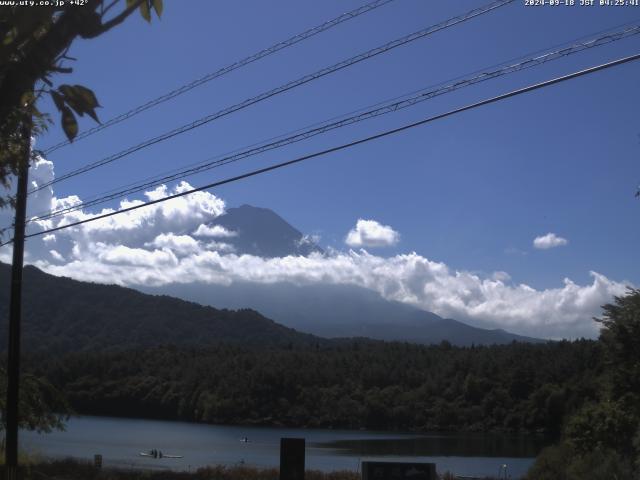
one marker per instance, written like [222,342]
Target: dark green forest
[391,386]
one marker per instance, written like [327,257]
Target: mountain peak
[262,232]
[246,206]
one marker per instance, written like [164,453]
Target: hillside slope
[335,311]
[62,315]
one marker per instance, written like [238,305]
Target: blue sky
[471,191]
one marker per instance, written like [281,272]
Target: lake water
[120,441]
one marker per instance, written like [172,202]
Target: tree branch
[108,7]
[117,20]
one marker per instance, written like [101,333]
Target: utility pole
[15,307]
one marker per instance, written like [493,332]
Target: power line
[344,146]
[281,89]
[224,70]
[363,114]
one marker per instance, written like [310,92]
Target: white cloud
[135,257]
[501,276]
[308,240]
[369,233]
[550,240]
[40,172]
[220,247]
[56,256]
[156,246]
[217,231]
[178,244]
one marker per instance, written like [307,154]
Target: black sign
[292,459]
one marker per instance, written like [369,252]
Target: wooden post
[15,309]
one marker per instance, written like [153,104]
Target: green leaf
[87,94]
[66,90]
[81,99]
[92,113]
[73,99]
[69,123]
[145,10]
[158,6]
[57,99]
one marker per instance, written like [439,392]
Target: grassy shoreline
[73,469]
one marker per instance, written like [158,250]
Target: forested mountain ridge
[63,315]
[391,386]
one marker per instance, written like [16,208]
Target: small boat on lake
[158,454]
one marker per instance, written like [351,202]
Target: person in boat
[160,454]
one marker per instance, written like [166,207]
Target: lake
[120,441]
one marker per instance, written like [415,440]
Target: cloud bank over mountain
[175,242]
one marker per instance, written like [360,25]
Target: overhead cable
[344,146]
[281,89]
[224,70]
[363,114]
